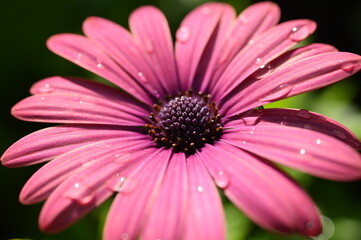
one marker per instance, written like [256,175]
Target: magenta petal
[119,44]
[86,188]
[49,143]
[209,61]
[205,218]
[261,50]
[300,118]
[151,31]
[131,205]
[87,54]
[306,150]
[306,75]
[72,85]
[252,21]
[77,108]
[192,37]
[48,177]
[263,192]
[170,206]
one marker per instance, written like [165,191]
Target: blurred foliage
[26,25]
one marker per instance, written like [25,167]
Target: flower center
[185,122]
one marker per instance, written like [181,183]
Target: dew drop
[259,61]
[200,189]
[124,236]
[302,151]
[80,193]
[206,10]
[149,46]
[46,88]
[142,77]
[183,34]
[303,113]
[244,142]
[284,123]
[348,67]
[78,57]
[116,183]
[339,134]
[100,64]
[243,19]
[278,93]
[263,71]
[251,42]
[128,186]
[299,33]
[318,141]
[252,117]
[221,179]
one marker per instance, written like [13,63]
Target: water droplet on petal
[128,186]
[99,63]
[78,57]
[302,151]
[299,33]
[278,93]
[252,117]
[251,42]
[243,19]
[284,123]
[116,183]
[318,141]
[80,193]
[142,77]
[149,46]
[221,179]
[156,93]
[263,71]
[259,61]
[339,134]
[124,236]
[348,67]
[200,189]
[244,142]
[303,113]
[46,88]
[206,10]
[183,34]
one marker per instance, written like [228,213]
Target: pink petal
[252,21]
[261,50]
[192,38]
[309,151]
[87,187]
[87,54]
[205,218]
[295,78]
[72,85]
[130,207]
[170,206]
[119,44]
[300,118]
[151,31]
[48,177]
[263,192]
[77,108]
[51,142]
[210,57]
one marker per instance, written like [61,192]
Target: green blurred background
[25,26]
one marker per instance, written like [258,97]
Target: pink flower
[184,121]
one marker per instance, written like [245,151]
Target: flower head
[183,120]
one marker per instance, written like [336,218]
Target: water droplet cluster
[185,122]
